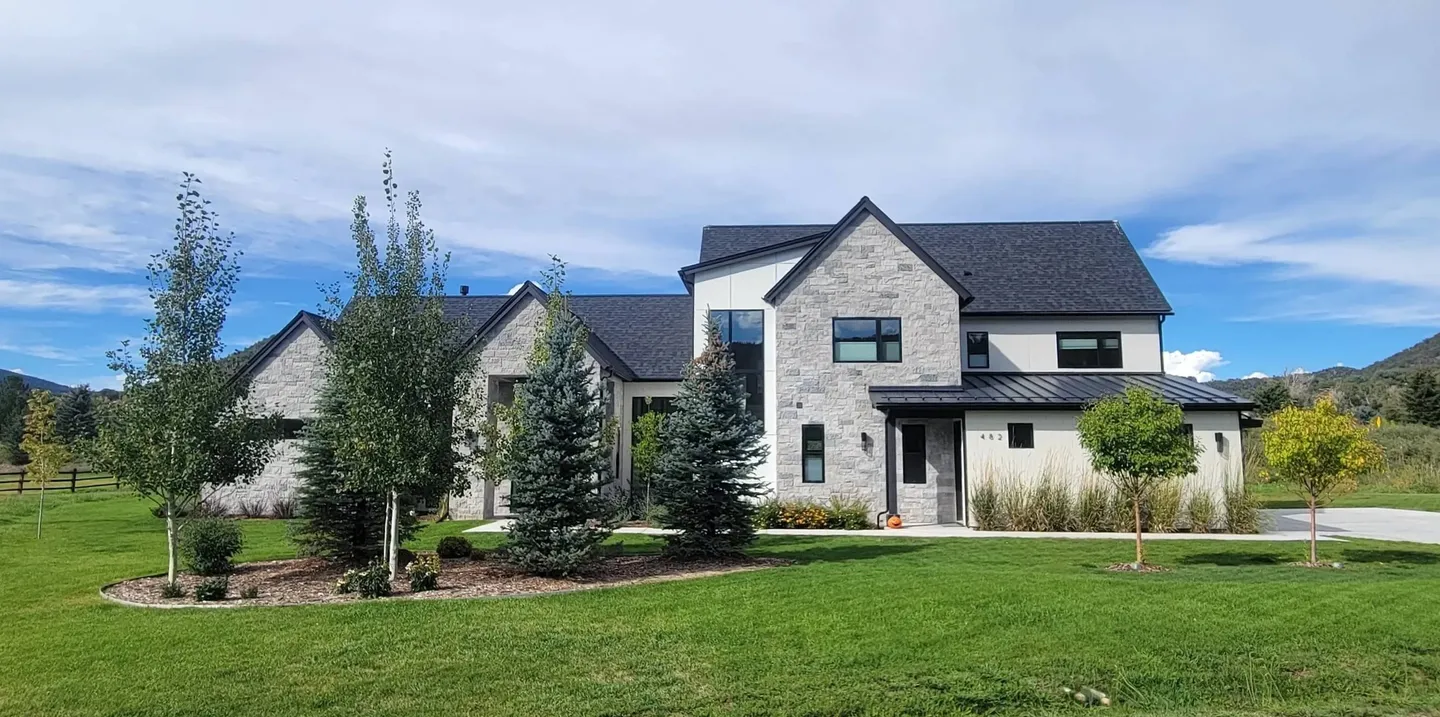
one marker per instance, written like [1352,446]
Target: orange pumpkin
[893,522]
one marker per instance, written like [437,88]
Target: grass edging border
[238,604]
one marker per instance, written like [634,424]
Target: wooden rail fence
[69,481]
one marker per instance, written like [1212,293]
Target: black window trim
[806,453]
[970,355]
[758,373]
[1100,351]
[879,339]
[1010,436]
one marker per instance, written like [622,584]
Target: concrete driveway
[1415,526]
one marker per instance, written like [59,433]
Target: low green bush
[207,545]
[839,514]
[371,581]
[172,590]
[424,572]
[848,514]
[212,589]
[453,546]
[250,593]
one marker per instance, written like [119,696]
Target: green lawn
[858,626]
[1279,496]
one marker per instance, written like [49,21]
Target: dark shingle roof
[1051,390]
[651,334]
[1015,267]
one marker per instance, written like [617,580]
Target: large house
[897,364]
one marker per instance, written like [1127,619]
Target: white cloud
[91,299]
[1196,364]
[608,133]
[18,370]
[1256,374]
[44,351]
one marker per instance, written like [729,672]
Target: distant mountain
[1376,387]
[33,382]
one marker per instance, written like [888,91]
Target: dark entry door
[912,450]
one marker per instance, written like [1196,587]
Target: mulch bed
[1133,568]
[312,581]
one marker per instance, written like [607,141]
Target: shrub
[1092,509]
[172,590]
[282,508]
[985,506]
[212,589]
[250,593]
[371,581]
[1013,513]
[424,572]
[1164,508]
[1200,511]
[848,514]
[208,544]
[656,515]
[804,515]
[767,514]
[252,508]
[1050,506]
[453,546]
[1242,512]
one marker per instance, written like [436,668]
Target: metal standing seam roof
[1052,390]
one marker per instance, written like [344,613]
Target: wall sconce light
[1219,442]
[866,442]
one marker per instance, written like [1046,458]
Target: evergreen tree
[558,451]
[712,444]
[13,396]
[337,521]
[1422,399]
[1272,397]
[75,417]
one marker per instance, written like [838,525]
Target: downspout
[1161,330]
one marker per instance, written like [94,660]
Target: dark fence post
[22,481]
[74,473]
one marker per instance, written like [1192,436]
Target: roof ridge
[921,224]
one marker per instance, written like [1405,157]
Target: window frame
[1189,430]
[970,354]
[757,410]
[1100,352]
[879,339]
[1011,435]
[805,453]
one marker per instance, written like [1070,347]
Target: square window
[1022,435]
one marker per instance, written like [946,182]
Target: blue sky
[1278,166]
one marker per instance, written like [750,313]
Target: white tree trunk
[394,536]
[40,521]
[172,540]
[385,539]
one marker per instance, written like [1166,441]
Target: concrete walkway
[1415,526]
[960,531]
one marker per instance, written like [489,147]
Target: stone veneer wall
[288,382]
[868,272]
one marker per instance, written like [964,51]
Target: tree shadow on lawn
[1382,555]
[827,550]
[1232,559]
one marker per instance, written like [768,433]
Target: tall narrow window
[1189,430]
[1088,349]
[812,453]
[912,450]
[744,332]
[977,345]
[866,340]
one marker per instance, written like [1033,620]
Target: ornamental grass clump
[1200,510]
[985,506]
[1242,511]
[1093,511]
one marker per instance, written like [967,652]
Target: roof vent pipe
[464,290]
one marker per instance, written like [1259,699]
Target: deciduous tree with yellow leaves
[47,452]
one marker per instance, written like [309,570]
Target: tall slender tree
[558,449]
[393,369]
[47,451]
[712,445]
[183,427]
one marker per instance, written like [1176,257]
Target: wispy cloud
[90,299]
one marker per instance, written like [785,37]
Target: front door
[960,494]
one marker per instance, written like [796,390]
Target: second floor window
[977,348]
[744,332]
[866,340]
[1088,349]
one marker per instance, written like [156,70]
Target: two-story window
[866,340]
[744,332]
[1088,349]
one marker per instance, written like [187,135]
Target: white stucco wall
[628,392]
[1029,344]
[742,285]
[1058,452]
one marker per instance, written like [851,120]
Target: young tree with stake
[184,425]
[47,451]
[1137,440]
[1318,452]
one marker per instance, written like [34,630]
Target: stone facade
[867,272]
[289,382]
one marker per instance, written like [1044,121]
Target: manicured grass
[858,626]
[1279,496]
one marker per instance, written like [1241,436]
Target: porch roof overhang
[1046,391]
